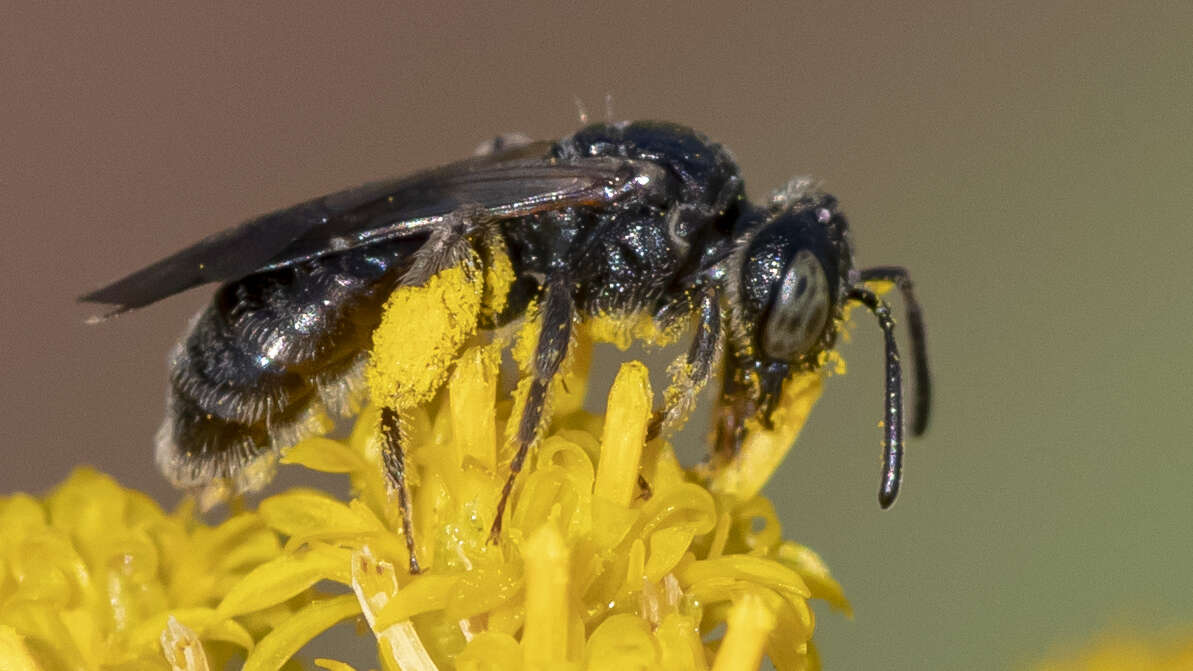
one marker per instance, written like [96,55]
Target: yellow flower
[590,571]
[1129,653]
[90,574]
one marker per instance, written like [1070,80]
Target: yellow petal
[680,648]
[473,392]
[182,648]
[375,583]
[286,576]
[622,643]
[20,515]
[685,504]
[279,645]
[424,593]
[756,536]
[332,665]
[300,513]
[44,625]
[485,588]
[253,548]
[628,412]
[762,450]
[667,547]
[750,623]
[14,656]
[545,635]
[325,454]
[229,535]
[205,623]
[765,572]
[816,574]
[489,651]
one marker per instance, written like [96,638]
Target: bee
[620,220]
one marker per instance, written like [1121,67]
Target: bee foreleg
[555,334]
[735,405]
[690,372]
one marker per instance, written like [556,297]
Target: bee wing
[511,184]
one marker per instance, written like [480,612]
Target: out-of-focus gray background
[1031,163]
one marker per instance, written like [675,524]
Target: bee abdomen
[197,448]
[274,359]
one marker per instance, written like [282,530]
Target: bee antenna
[892,449]
[919,350]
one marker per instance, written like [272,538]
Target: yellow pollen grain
[750,623]
[499,276]
[623,437]
[421,331]
[545,634]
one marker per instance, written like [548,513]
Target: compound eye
[799,311]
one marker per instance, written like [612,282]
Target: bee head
[792,276]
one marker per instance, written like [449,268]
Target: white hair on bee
[795,190]
[739,329]
[344,392]
[503,142]
[244,467]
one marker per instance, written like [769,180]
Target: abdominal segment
[272,360]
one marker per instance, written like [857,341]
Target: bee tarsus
[394,459]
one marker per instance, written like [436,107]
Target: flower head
[591,571]
[611,556]
[90,574]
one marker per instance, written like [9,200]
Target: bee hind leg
[426,321]
[446,247]
[555,335]
[394,459]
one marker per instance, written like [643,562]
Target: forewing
[511,184]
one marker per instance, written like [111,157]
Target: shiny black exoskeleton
[618,220]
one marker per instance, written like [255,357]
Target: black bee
[618,220]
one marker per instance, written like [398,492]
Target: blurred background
[1031,163]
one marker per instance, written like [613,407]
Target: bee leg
[444,248]
[690,372]
[427,319]
[555,334]
[643,485]
[395,474]
[733,408]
